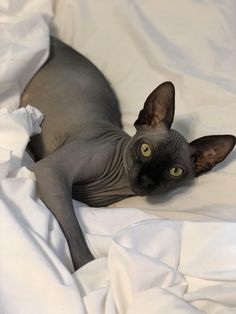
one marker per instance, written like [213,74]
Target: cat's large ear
[159,107]
[210,150]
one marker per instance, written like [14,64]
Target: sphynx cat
[84,153]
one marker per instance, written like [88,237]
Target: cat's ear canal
[158,108]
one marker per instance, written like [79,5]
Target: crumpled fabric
[15,129]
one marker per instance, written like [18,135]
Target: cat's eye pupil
[176,171]
[145,150]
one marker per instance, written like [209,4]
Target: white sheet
[144,264]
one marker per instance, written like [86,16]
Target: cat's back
[73,95]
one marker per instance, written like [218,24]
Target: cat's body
[66,121]
[84,151]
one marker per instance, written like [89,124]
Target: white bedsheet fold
[24,45]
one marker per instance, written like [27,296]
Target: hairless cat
[82,151]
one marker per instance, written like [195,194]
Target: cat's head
[160,158]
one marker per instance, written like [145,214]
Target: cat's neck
[112,184]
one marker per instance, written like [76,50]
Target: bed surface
[166,254]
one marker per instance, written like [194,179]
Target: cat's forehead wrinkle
[176,142]
[178,149]
[157,134]
[167,142]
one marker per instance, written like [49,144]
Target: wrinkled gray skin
[83,150]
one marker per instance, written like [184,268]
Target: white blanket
[144,262]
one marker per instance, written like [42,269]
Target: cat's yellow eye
[146,150]
[176,171]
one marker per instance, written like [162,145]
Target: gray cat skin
[83,151]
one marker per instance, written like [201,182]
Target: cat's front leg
[54,188]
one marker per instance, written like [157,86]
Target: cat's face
[161,159]
[160,162]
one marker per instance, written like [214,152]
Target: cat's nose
[146,182]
